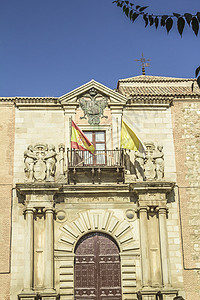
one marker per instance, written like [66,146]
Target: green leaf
[134,16]
[198,81]
[127,2]
[176,15]
[180,25]
[163,20]
[137,6]
[195,25]
[131,4]
[146,20]
[156,22]
[188,18]
[169,24]
[151,20]
[197,71]
[198,16]
[127,11]
[124,8]
[130,14]
[143,8]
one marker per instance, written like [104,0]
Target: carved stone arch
[96,231]
[98,220]
[88,221]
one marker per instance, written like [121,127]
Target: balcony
[99,167]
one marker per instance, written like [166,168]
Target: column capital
[162,210]
[29,210]
[142,209]
[49,210]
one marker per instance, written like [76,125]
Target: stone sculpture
[93,104]
[150,166]
[29,158]
[139,165]
[159,162]
[40,163]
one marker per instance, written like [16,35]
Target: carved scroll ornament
[40,163]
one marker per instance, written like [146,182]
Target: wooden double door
[97,268]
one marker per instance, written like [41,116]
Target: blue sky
[50,47]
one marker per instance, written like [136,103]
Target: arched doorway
[97,268]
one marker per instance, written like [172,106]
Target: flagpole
[70,129]
[117,131]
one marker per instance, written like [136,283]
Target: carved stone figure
[29,158]
[93,105]
[149,166]
[139,165]
[50,163]
[159,162]
[40,163]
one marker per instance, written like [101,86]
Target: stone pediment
[112,97]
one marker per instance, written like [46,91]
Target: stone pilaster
[144,246]
[49,248]
[28,260]
[164,246]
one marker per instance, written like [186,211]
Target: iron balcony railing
[100,158]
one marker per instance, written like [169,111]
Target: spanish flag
[79,140]
[129,139]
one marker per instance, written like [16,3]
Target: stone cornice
[147,100]
[61,188]
[152,186]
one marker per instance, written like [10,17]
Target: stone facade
[61,197]
[6,182]
[186,119]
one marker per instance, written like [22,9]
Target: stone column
[144,246]
[28,262]
[49,249]
[164,246]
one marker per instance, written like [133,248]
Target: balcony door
[97,268]
[97,138]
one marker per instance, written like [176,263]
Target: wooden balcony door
[97,138]
[97,268]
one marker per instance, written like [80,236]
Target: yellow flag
[129,139]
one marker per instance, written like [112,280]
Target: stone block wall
[6,181]
[36,126]
[154,125]
[186,120]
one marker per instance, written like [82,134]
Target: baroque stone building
[110,225]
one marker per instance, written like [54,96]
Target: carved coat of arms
[40,163]
[93,105]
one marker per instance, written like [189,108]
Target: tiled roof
[158,90]
[148,86]
[149,78]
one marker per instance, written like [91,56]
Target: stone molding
[97,220]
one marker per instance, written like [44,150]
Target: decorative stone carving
[158,157]
[40,163]
[150,167]
[139,165]
[93,105]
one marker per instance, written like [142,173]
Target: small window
[97,138]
